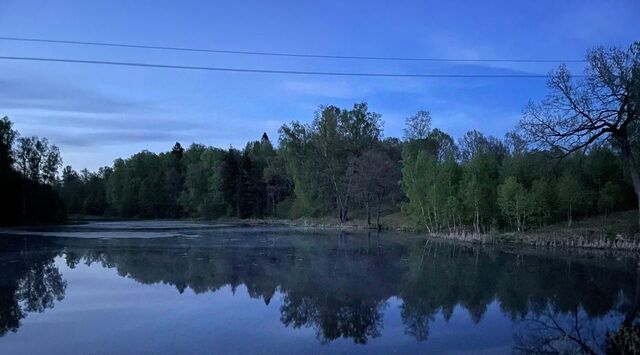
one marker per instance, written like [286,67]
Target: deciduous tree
[605,104]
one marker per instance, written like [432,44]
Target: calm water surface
[182,288]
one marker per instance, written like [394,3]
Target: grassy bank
[615,231]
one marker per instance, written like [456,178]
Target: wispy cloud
[39,93]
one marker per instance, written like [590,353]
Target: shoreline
[578,237]
[588,234]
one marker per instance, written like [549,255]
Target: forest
[574,155]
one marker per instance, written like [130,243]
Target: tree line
[28,179]
[340,165]
[199,182]
[574,154]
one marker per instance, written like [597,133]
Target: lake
[182,288]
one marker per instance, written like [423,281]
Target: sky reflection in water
[187,288]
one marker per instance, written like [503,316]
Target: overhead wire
[291,54]
[271,71]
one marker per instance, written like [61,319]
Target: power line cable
[298,55]
[269,71]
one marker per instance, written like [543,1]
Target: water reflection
[340,285]
[29,281]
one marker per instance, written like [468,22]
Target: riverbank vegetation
[574,155]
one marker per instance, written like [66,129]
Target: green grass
[620,223]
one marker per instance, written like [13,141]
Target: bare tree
[602,105]
[418,126]
[552,332]
[374,176]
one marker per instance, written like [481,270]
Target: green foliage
[515,202]
[319,156]
[136,187]
[201,195]
[339,165]
[478,187]
[85,193]
[601,107]
[482,183]
[430,179]
[609,196]
[571,195]
[544,201]
[200,181]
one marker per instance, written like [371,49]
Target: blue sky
[98,113]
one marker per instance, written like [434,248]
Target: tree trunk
[378,215]
[273,206]
[346,210]
[628,155]
[477,218]
[367,204]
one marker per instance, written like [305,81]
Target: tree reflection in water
[340,286]
[552,331]
[29,281]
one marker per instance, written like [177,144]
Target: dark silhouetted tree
[604,105]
